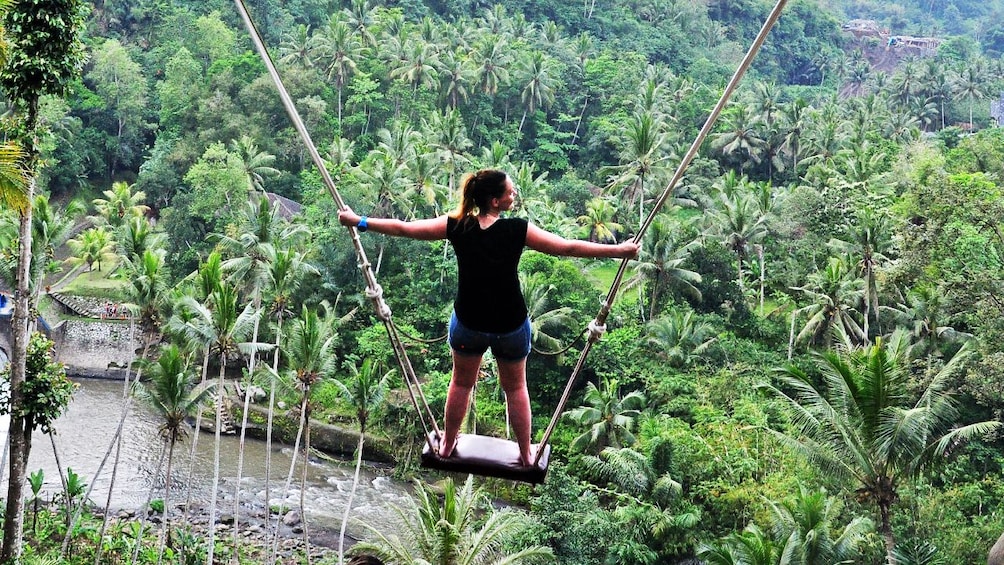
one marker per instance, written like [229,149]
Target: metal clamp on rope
[596,330]
[375,293]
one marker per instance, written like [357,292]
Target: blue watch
[363,225]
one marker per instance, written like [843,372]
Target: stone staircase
[89,307]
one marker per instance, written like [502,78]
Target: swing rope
[374,292]
[598,326]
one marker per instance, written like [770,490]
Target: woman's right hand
[628,249]
[348,218]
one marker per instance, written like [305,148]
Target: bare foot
[445,452]
[526,460]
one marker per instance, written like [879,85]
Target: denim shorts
[511,346]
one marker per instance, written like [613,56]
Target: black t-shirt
[488,295]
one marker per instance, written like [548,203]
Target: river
[85,431]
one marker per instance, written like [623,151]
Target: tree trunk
[996,556]
[220,395]
[244,420]
[269,423]
[289,476]
[885,529]
[20,439]
[352,494]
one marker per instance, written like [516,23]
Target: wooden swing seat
[486,457]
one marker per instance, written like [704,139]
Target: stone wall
[95,348]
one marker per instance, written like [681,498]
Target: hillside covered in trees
[804,365]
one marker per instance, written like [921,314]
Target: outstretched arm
[547,242]
[432,228]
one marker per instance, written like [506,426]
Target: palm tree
[287,269]
[492,57]
[224,325]
[339,49]
[365,393]
[421,68]
[598,222]
[751,547]
[738,221]
[535,70]
[863,423]
[542,316]
[644,487]
[971,86]
[172,394]
[13,177]
[456,73]
[923,314]
[253,247]
[254,163]
[867,239]
[803,527]
[447,134]
[136,236]
[297,47]
[310,351]
[739,139]
[834,293]
[608,416]
[679,337]
[93,246]
[361,17]
[661,261]
[643,155]
[119,205]
[446,532]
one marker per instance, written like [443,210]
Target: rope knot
[375,293]
[596,330]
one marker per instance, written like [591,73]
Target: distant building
[865,28]
[997,111]
[287,208]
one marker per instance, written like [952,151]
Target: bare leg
[512,376]
[458,398]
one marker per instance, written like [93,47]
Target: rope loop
[596,330]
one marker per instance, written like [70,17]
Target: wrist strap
[363,225]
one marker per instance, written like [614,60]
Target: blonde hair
[477,190]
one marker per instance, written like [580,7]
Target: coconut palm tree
[834,293]
[255,164]
[119,205]
[679,337]
[309,350]
[867,239]
[297,47]
[224,325]
[288,269]
[661,261]
[13,178]
[365,392]
[643,155]
[252,248]
[93,246]
[739,139]
[446,531]
[542,316]
[538,92]
[863,422]
[598,222]
[172,393]
[338,50]
[803,526]
[738,221]
[607,416]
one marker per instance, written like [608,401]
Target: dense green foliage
[850,191]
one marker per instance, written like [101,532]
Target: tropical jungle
[803,365]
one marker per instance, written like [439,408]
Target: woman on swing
[489,310]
